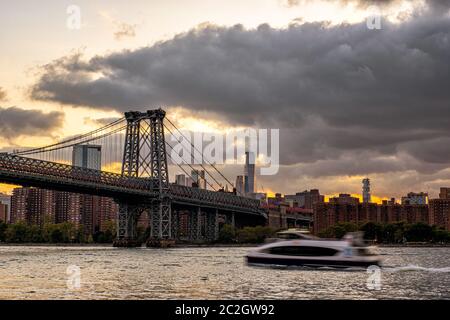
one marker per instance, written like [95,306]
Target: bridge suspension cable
[63,144]
[209,184]
[57,151]
[73,144]
[195,148]
[201,165]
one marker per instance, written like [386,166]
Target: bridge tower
[145,156]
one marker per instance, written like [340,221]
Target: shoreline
[437,245]
[110,245]
[199,245]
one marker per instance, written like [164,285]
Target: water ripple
[210,273]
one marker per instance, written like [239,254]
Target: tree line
[65,232]
[229,234]
[390,233]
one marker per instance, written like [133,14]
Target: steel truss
[195,225]
[175,224]
[39,173]
[28,171]
[126,225]
[212,225]
[145,157]
[161,219]
[130,164]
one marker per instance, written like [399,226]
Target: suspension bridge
[136,145]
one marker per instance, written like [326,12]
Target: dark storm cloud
[334,91]
[345,75]
[16,121]
[293,3]
[433,4]
[318,141]
[435,150]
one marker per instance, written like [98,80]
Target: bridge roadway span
[50,175]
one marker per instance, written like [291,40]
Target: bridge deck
[38,173]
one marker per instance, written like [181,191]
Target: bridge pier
[175,225]
[161,225]
[126,226]
[212,225]
[203,225]
[195,225]
[229,219]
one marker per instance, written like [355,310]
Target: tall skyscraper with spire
[240,185]
[249,173]
[366,190]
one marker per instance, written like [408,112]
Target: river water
[209,273]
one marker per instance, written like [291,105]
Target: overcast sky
[350,101]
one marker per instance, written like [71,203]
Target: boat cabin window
[302,251]
[289,236]
[292,235]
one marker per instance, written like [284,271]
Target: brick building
[33,206]
[3,212]
[95,211]
[19,204]
[439,210]
[348,209]
[339,209]
[306,199]
[276,217]
[37,206]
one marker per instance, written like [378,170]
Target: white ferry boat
[351,251]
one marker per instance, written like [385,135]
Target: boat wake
[415,268]
[304,268]
[408,268]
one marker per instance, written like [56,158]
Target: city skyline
[225,158]
[326,142]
